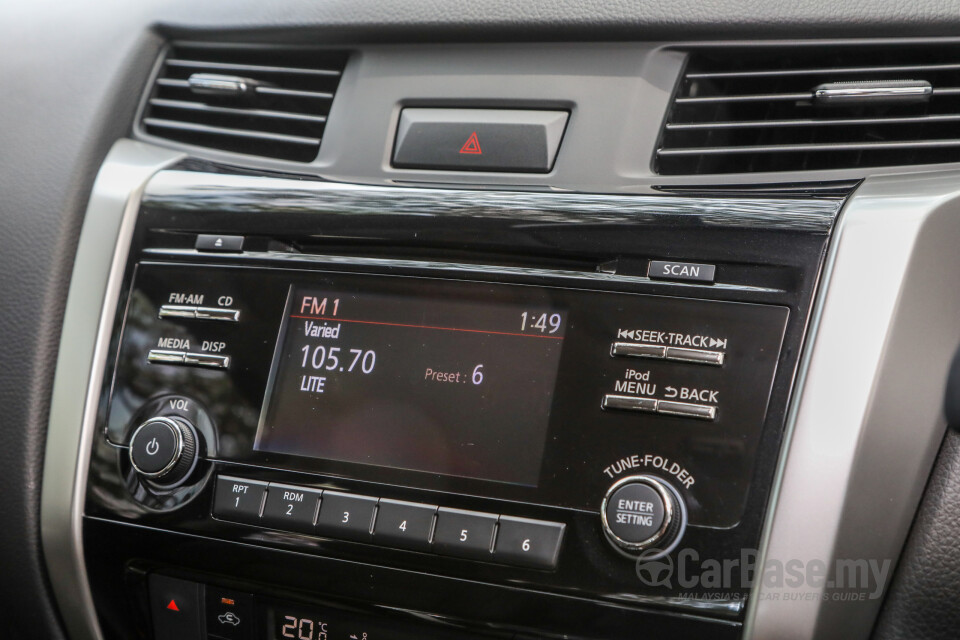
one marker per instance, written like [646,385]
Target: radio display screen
[430,383]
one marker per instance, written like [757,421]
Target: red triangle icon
[472,145]
[173,606]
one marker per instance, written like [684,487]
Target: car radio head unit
[536,394]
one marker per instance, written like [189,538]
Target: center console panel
[410,411]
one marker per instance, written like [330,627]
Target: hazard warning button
[479,139]
[174,607]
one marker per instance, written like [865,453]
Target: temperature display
[433,384]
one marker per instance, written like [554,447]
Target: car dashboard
[356,321]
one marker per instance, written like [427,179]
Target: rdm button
[479,139]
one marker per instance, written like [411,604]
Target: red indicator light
[173,606]
[472,145]
[227,601]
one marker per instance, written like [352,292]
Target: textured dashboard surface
[922,603]
[72,73]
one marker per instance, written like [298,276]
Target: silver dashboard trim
[87,325]
[867,417]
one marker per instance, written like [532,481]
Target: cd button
[346,516]
[465,534]
[528,543]
[290,508]
[238,500]
[404,524]
[217,313]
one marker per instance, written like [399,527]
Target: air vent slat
[802,148]
[822,70]
[778,108]
[249,68]
[748,124]
[254,113]
[223,131]
[275,91]
[767,97]
[269,101]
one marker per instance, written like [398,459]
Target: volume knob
[641,513]
[163,450]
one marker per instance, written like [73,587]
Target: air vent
[813,108]
[260,101]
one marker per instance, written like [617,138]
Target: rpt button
[238,500]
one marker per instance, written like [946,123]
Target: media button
[290,508]
[165,356]
[528,543]
[238,500]
[346,516]
[404,524]
[465,534]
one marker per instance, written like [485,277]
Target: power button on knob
[164,450]
[642,512]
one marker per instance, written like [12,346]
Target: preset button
[238,500]
[346,516]
[465,534]
[528,543]
[290,508]
[407,525]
